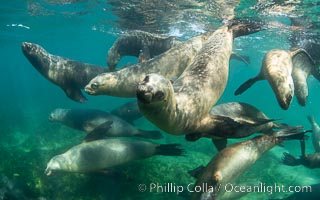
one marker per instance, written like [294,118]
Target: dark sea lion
[302,69]
[170,64]
[133,42]
[310,160]
[239,111]
[103,154]
[70,75]
[276,69]
[231,162]
[182,107]
[315,134]
[90,119]
[128,111]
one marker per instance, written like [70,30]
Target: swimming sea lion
[128,111]
[310,160]
[133,42]
[276,69]
[231,162]
[170,64]
[70,75]
[90,119]
[106,153]
[302,69]
[239,111]
[182,107]
[315,134]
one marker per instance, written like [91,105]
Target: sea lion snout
[91,88]
[144,94]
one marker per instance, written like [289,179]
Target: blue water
[84,31]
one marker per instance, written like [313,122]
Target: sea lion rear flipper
[191,137]
[290,160]
[243,58]
[98,132]
[220,143]
[246,85]
[197,171]
[75,94]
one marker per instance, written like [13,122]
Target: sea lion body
[170,64]
[311,161]
[89,119]
[239,111]
[70,75]
[128,111]
[276,69]
[302,68]
[315,134]
[104,154]
[134,42]
[183,107]
[232,161]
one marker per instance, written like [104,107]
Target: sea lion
[170,64]
[128,111]
[70,75]
[106,153]
[90,119]
[182,107]
[315,134]
[302,69]
[239,111]
[276,69]
[310,160]
[231,162]
[135,42]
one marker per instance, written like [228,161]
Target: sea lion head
[36,55]
[55,164]
[102,84]
[57,114]
[154,89]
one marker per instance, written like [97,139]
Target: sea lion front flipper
[246,85]
[290,160]
[243,58]
[98,132]
[220,143]
[75,94]
[196,172]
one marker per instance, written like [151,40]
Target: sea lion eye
[159,95]
[94,85]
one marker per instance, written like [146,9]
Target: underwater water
[84,30]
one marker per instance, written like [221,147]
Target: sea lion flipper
[290,160]
[75,94]
[246,85]
[98,132]
[220,143]
[196,172]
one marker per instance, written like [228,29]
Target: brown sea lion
[89,120]
[239,111]
[182,107]
[106,153]
[70,75]
[231,162]
[170,64]
[276,69]
[134,43]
